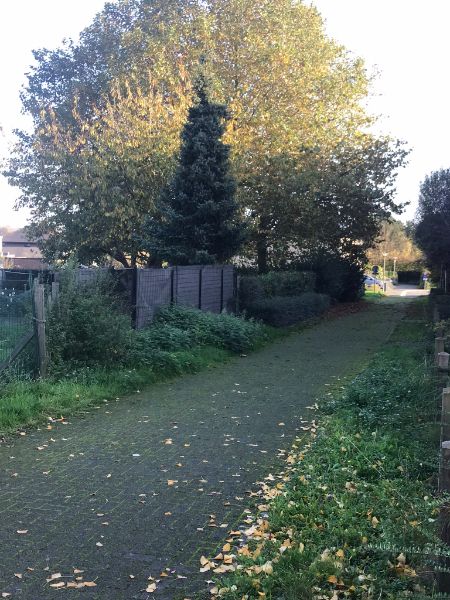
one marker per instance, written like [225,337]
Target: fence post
[39,319]
[442,360]
[221,290]
[438,347]
[200,276]
[444,471]
[172,288]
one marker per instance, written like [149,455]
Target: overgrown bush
[340,278]
[412,277]
[206,329]
[86,326]
[281,311]
[441,301]
[254,288]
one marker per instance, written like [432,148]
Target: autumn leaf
[151,588]
[58,585]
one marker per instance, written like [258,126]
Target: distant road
[404,290]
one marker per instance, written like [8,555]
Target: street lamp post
[384,270]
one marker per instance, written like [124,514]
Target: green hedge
[281,311]
[180,327]
[413,277]
[255,288]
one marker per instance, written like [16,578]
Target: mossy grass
[354,512]
[29,403]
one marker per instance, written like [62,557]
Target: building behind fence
[23,305]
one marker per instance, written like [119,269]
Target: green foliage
[409,276]
[108,109]
[356,503]
[341,278]
[432,232]
[199,216]
[281,311]
[275,283]
[395,239]
[223,331]
[86,325]
[26,403]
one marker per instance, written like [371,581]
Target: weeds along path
[148,484]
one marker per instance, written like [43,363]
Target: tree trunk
[120,257]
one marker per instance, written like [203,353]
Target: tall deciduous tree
[291,92]
[199,219]
[433,220]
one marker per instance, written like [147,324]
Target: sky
[405,41]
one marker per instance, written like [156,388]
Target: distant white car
[370,281]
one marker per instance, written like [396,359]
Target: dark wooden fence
[211,288]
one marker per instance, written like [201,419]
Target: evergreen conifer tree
[199,216]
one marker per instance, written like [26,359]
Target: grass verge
[28,403]
[353,513]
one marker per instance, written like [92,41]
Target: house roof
[17,236]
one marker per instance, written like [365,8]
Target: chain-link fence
[17,351]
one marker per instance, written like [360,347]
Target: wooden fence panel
[212,289]
[153,289]
[187,286]
[229,291]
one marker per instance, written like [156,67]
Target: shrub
[442,302]
[86,326]
[413,277]
[276,283]
[281,311]
[340,278]
[224,331]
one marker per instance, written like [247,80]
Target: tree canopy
[432,232]
[108,112]
[397,241]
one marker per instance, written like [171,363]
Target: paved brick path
[129,490]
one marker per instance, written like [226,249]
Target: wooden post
[442,361]
[39,319]
[438,346]
[445,416]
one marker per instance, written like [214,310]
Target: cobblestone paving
[128,490]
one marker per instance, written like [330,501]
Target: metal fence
[17,352]
[25,298]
